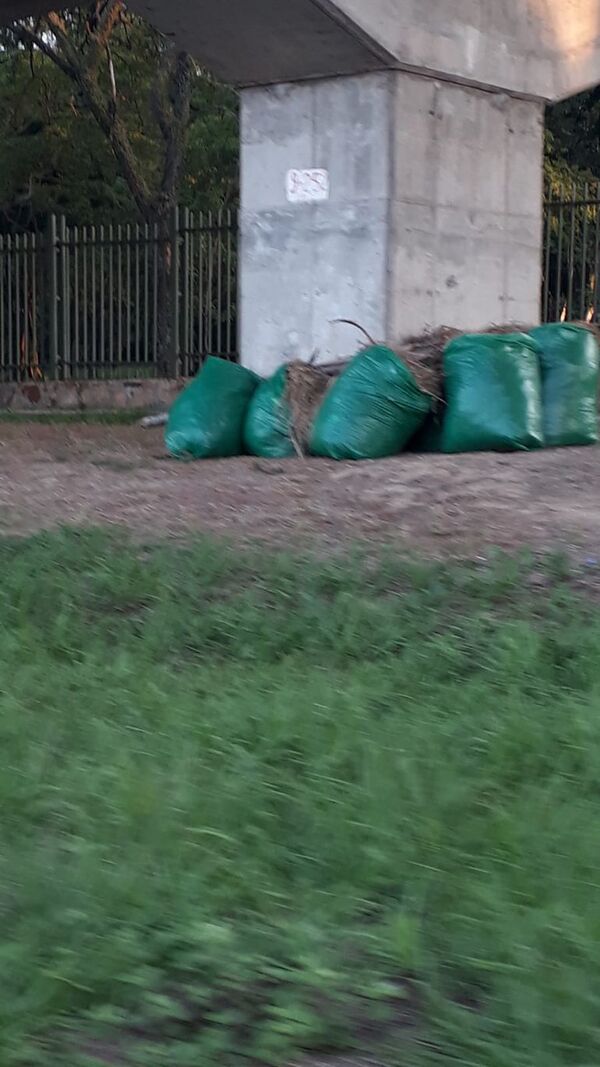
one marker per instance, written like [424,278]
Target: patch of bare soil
[435,505]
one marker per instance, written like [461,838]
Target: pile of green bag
[519,391]
[504,392]
[373,409]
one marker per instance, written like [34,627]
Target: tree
[83,48]
[55,159]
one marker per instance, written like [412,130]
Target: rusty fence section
[571,254]
[118,300]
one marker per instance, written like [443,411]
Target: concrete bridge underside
[424,119]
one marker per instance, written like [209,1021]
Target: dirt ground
[84,474]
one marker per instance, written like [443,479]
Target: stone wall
[152,395]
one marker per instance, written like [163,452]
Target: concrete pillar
[429,212]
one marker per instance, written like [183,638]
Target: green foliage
[56,159]
[573,138]
[255,805]
[572,173]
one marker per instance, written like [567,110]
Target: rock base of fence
[147,396]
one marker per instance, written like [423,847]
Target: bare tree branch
[66,48]
[159,111]
[29,38]
[112,77]
[172,120]
[116,133]
[100,29]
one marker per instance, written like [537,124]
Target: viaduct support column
[425,210]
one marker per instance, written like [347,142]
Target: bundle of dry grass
[519,327]
[593,327]
[506,327]
[516,327]
[305,388]
[423,354]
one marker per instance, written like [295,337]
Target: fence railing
[571,255]
[81,302]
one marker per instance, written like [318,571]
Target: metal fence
[82,302]
[571,256]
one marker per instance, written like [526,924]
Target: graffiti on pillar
[307,186]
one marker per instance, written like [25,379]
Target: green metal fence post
[186,347]
[52,296]
[174,361]
[65,296]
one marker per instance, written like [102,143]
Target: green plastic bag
[207,419]
[268,420]
[493,394]
[373,409]
[570,362]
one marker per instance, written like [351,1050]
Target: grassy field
[254,807]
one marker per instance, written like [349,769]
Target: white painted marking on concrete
[307,186]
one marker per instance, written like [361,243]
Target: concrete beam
[538,48]
[544,49]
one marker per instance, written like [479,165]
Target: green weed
[255,805]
